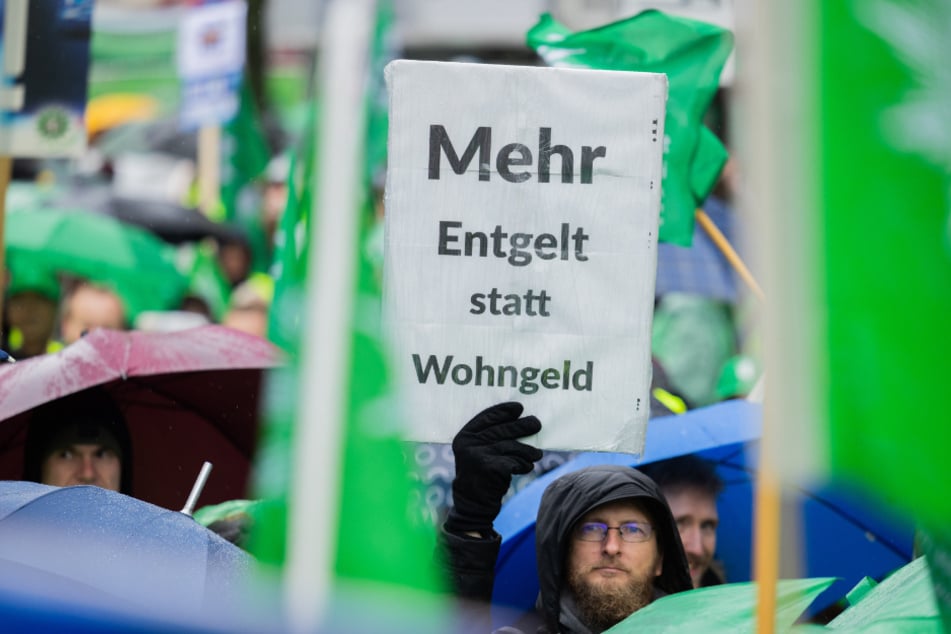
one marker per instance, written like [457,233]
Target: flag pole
[766,530]
[6,168]
[326,350]
[209,168]
[729,252]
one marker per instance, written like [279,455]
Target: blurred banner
[45,51]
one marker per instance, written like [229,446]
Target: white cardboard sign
[520,246]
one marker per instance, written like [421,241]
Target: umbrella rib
[887,543]
[858,524]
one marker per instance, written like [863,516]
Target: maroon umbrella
[187,397]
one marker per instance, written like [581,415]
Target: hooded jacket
[87,416]
[570,497]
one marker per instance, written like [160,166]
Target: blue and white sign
[211,54]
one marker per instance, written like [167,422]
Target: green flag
[858,246]
[691,54]
[882,204]
[244,158]
[378,543]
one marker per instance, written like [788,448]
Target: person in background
[691,486]
[87,306]
[78,439]
[32,298]
[250,304]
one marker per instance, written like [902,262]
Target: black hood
[92,414]
[569,497]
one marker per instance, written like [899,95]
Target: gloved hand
[487,455]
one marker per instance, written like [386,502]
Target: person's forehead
[95,299]
[626,509]
[690,500]
[84,446]
[30,298]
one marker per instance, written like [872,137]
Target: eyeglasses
[629,531]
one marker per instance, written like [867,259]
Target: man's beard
[603,605]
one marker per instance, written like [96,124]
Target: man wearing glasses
[606,541]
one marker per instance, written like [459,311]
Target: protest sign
[520,246]
[211,52]
[45,55]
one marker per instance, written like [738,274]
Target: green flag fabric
[692,55]
[859,249]
[244,158]
[884,210]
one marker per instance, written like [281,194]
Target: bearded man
[606,540]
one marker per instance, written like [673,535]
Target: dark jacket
[564,502]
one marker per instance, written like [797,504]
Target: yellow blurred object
[109,111]
[671,401]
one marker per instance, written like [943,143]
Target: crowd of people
[610,539]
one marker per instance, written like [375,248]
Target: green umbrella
[904,602]
[729,607]
[139,267]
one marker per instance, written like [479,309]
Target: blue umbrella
[701,268]
[843,535]
[106,550]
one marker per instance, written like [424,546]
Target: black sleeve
[469,564]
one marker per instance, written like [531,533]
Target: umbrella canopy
[701,268]
[725,608]
[140,267]
[843,535]
[164,136]
[101,548]
[169,221]
[187,397]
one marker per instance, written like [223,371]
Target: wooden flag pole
[729,253]
[766,543]
[209,168]
[6,168]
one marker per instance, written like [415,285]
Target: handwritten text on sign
[521,223]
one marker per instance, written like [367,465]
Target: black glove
[487,455]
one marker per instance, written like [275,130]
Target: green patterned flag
[692,55]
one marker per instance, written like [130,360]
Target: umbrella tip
[6,357]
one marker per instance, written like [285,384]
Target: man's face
[612,578]
[83,464]
[696,513]
[34,315]
[91,308]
